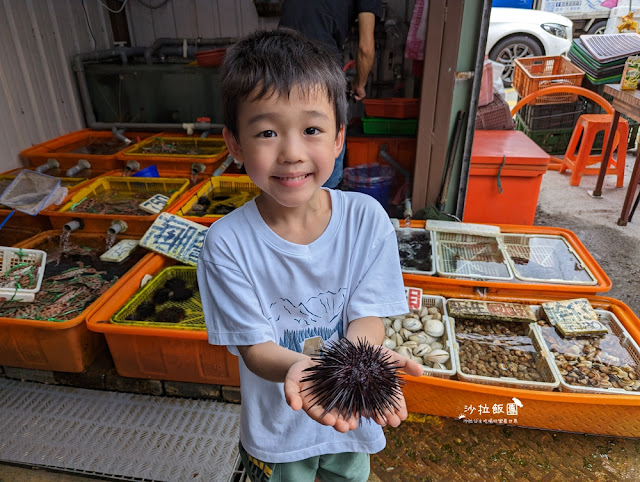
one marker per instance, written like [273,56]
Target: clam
[426,318]
[422,337]
[412,324]
[418,360]
[439,366]
[422,350]
[436,345]
[397,324]
[433,310]
[437,356]
[410,344]
[389,332]
[386,322]
[405,334]
[398,339]
[434,328]
[389,343]
[424,312]
[404,351]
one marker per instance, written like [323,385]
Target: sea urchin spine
[358,379]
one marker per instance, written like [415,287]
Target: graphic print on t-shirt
[320,315]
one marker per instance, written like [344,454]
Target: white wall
[38,95]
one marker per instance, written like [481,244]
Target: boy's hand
[393,418]
[299,399]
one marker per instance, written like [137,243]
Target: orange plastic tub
[615,415]
[97,147]
[394,107]
[160,353]
[136,225]
[208,151]
[492,288]
[58,346]
[504,178]
[364,150]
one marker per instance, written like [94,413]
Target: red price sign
[414,298]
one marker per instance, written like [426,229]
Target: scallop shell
[422,350]
[404,351]
[389,343]
[434,328]
[437,356]
[412,324]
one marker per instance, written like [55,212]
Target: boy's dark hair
[267,63]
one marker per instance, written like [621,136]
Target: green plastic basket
[383,125]
[194,317]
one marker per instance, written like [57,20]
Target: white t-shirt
[257,287]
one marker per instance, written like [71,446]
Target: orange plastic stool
[587,127]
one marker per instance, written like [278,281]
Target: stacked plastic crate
[548,120]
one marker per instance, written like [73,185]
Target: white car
[518,32]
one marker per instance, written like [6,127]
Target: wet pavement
[441,449]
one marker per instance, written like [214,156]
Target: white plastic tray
[471,256]
[545,362]
[539,248]
[626,341]
[407,231]
[15,260]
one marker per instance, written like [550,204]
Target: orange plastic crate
[137,225]
[212,152]
[59,346]
[395,107]
[615,415]
[160,353]
[70,148]
[534,73]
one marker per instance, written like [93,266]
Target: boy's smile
[288,146]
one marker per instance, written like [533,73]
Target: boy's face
[288,145]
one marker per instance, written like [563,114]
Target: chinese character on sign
[469,409]
[414,298]
[497,408]
[512,409]
[483,408]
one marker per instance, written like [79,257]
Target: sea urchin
[355,378]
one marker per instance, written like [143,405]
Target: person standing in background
[329,22]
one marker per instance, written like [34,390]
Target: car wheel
[512,48]
[598,28]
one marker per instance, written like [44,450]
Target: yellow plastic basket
[127,188]
[194,317]
[169,148]
[232,191]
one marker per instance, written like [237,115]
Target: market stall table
[625,102]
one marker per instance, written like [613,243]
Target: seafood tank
[73,279]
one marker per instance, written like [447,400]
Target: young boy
[300,265]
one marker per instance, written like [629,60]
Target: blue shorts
[348,466]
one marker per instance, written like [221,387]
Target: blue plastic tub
[372,179]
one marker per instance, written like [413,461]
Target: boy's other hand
[395,417]
[298,399]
